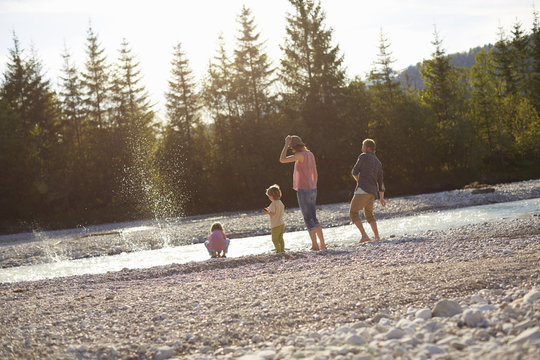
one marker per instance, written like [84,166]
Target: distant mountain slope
[410,77]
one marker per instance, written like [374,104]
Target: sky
[153,28]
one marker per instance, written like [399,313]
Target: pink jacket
[216,240]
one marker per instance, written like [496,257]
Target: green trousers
[277,238]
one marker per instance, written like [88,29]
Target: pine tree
[95,82]
[75,132]
[311,68]
[313,78]
[182,155]
[521,55]
[253,70]
[445,94]
[16,182]
[27,91]
[484,99]
[504,60]
[30,96]
[383,77]
[131,104]
[385,102]
[71,102]
[385,91]
[535,66]
[95,87]
[15,83]
[218,94]
[182,100]
[252,82]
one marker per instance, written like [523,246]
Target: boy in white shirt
[276,211]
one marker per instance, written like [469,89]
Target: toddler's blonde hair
[216,226]
[274,191]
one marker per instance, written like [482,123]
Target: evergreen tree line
[93,150]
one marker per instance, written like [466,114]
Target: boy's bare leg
[375,230]
[360,227]
[318,231]
[313,236]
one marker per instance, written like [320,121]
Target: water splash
[154,188]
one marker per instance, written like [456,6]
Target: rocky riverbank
[464,293]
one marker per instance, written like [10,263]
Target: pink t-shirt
[216,240]
[305,172]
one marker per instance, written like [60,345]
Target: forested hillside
[93,150]
[410,77]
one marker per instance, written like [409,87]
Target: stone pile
[492,324]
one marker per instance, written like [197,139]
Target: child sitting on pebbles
[217,241]
[276,210]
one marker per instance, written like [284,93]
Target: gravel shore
[465,293]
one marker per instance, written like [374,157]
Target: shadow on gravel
[406,240]
[206,265]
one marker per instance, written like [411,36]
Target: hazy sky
[153,27]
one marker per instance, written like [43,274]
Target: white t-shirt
[278,209]
[359,191]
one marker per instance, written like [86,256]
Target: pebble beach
[470,292]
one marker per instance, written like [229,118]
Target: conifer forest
[91,149]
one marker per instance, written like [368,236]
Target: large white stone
[532,296]
[423,314]
[360,324]
[446,308]
[407,325]
[531,335]
[477,299]
[344,329]
[261,355]
[448,340]
[473,318]
[524,325]
[164,352]
[434,349]
[484,307]
[363,357]
[395,333]
[355,340]
[267,354]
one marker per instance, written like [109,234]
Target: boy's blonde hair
[216,226]
[370,144]
[274,191]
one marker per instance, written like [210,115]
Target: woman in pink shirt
[305,183]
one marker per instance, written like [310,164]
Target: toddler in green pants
[276,210]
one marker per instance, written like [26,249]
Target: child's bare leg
[313,236]
[360,227]
[375,230]
[319,233]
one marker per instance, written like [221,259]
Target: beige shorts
[361,202]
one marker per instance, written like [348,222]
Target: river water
[294,241]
